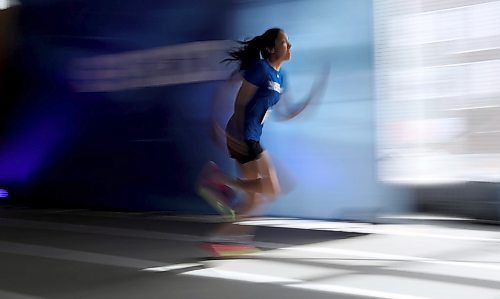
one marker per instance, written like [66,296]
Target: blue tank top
[270,83]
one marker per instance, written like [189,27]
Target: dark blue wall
[135,144]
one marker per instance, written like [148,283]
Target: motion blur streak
[177,64]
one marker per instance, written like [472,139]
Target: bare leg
[249,171]
[257,176]
[271,186]
[266,183]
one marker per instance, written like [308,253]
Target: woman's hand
[287,111]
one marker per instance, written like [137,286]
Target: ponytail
[252,50]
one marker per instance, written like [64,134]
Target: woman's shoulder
[256,73]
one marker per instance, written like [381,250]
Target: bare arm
[285,110]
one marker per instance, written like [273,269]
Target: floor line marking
[354,291]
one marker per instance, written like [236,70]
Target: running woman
[262,88]
[263,84]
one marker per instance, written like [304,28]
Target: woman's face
[282,47]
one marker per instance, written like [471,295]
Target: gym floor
[93,254]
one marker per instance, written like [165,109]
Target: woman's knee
[276,191]
[273,188]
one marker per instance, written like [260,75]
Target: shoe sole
[228,250]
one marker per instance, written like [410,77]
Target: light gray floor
[85,254]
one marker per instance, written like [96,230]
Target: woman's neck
[275,63]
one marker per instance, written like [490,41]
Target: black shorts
[244,151]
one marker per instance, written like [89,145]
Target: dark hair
[252,49]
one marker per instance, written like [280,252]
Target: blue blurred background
[106,105]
